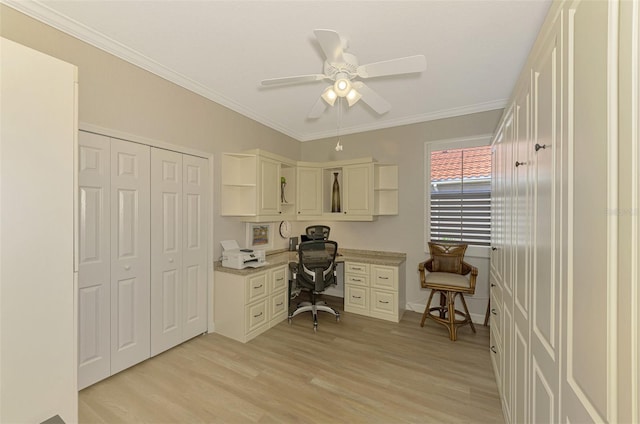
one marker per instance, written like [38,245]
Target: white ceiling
[223,49]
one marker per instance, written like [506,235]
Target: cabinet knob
[520,163]
[493,285]
[494,248]
[127,267]
[171,260]
[538,147]
[493,349]
[493,311]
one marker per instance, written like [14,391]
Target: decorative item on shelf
[335,198]
[283,184]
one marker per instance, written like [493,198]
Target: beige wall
[122,97]
[405,146]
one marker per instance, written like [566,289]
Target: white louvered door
[130,233]
[94,338]
[195,244]
[166,250]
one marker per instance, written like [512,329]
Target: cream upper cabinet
[309,191]
[268,186]
[259,186]
[358,189]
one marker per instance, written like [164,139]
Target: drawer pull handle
[520,163]
[383,278]
[538,146]
[382,301]
[493,349]
[257,287]
[494,248]
[280,279]
[356,279]
[357,297]
[280,304]
[493,285]
[493,311]
[256,316]
[357,268]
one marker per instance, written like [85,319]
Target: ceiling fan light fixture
[329,96]
[342,85]
[353,96]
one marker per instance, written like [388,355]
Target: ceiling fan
[342,68]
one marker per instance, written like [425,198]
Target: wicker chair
[446,275]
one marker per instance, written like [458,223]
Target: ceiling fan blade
[331,44]
[317,109]
[292,80]
[403,65]
[372,98]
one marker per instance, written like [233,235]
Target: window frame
[453,143]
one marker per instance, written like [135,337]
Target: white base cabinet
[374,290]
[246,306]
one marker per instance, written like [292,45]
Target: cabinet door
[195,248]
[94,346]
[358,189]
[166,250]
[130,291]
[268,187]
[309,191]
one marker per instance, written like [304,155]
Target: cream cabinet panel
[358,189]
[268,186]
[38,129]
[309,191]
[245,306]
[374,290]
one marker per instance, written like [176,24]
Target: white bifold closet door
[94,258]
[178,248]
[130,256]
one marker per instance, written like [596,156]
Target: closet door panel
[195,248]
[166,250]
[130,232]
[94,334]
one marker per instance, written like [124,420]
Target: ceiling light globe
[342,87]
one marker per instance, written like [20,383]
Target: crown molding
[39,11]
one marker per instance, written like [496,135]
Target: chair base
[445,314]
[314,308]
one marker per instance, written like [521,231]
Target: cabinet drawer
[256,315]
[256,287]
[279,279]
[356,279]
[384,302]
[384,277]
[356,299]
[356,268]
[278,307]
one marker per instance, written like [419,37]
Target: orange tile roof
[446,165]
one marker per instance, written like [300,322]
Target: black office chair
[318,232]
[314,271]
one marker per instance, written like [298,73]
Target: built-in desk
[249,301]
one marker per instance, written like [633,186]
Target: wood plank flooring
[359,370]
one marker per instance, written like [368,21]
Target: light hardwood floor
[359,370]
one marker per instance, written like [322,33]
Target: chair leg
[451,311]
[466,311]
[426,310]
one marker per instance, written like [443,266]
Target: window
[459,193]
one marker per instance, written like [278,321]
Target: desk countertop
[283,257]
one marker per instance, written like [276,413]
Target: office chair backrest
[317,264]
[318,232]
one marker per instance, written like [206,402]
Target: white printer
[234,257]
